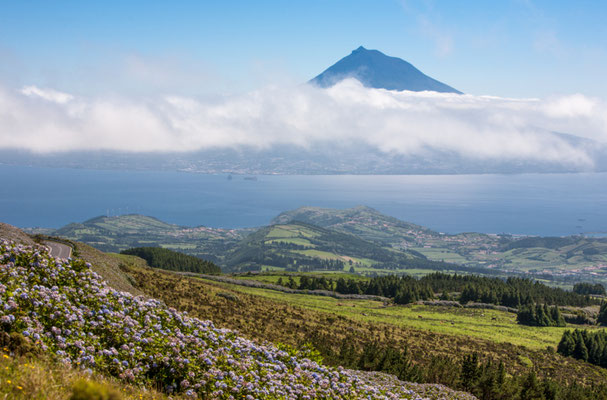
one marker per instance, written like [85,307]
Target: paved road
[59,250]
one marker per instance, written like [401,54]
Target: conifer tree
[341,286]
[602,318]
[542,318]
[557,317]
[530,389]
[603,360]
[594,352]
[580,351]
[567,344]
[470,372]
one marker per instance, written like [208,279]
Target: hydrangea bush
[66,309]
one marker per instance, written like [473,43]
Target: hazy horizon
[203,77]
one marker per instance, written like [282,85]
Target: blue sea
[532,204]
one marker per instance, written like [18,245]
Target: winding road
[59,250]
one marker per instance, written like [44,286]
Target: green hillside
[566,259]
[363,222]
[157,257]
[370,242]
[114,234]
[299,246]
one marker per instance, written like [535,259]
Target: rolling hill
[311,238]
[127,231]
[302,246]
[364,222]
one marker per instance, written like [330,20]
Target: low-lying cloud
[46,120]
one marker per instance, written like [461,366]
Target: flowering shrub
[66,309]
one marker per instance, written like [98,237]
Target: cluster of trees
[545,242]
[512,292]
[308,283]
[157,257]
[486,379]
[378,357]
[589,288]
[585,345]
[602,317]
[402,289]
[539,315]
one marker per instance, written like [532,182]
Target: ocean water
[533,204]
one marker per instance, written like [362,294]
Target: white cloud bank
[409,123]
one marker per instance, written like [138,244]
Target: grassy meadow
[493,325]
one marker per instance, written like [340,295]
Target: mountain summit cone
[376,70]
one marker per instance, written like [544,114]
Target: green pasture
[290,231]
[179,246]
[273,277]
[439,254]
[497,326]
[296,240]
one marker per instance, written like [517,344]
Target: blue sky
[502,48]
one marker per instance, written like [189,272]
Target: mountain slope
[114,234]
[299,246]
[362,221]
[377,70]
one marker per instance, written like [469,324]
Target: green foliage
[157,257]
[85,389]
[531,388]
[16,343]
[545,242]
[38,377]
[376,356]
[589,288]
[470,371]
[306,350]
[585,345]
[567,344]
[539,315]
[114,234]
[229,296]
[512,292]
[602,317]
